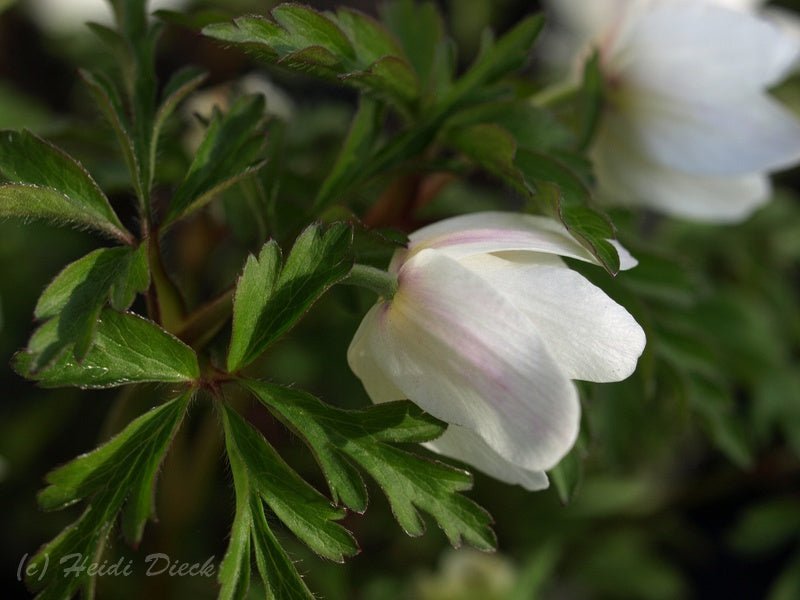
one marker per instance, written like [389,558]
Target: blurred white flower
[71,15]
[486,331]
[689,128]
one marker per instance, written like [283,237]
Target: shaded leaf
[269,300]
[227,153]
[308,514]
[46,183]
[122,470]
[127,349]
[410,482]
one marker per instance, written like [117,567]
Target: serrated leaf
[564,195]
[127,349]
[122,470]
[228,153]
[46,183]
[409,481]
[78,293]
[308,514]
[307,27]
[110,104]
[268,301]
[369,38]
[250,534]
[345,48]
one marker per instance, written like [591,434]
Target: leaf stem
[555,94]
[381,282]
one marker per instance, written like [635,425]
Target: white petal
[463,445]
[625,177]
[735,136]
[484,232]
[590,336]
[703,50]
[362,361]
[465,354]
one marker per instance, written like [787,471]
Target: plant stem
[555,94]
[382,283]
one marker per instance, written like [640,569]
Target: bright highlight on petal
[486,331]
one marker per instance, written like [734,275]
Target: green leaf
[356,151]
[590,102]
[307,513]
[497,60]
[226,155]
[121,471]
[345,48]
[250,532]
[419,28]
[78,293]
[110,104]
[126,349]
[565,196]
[133,278]
[489,145]
[713,404]
[180,85]
[269,300]
[567,475]
[410,482]
[533,128]
[46,183]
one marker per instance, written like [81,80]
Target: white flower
[486,331]
[689,128]
[71,15]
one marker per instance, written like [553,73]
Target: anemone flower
[486,331]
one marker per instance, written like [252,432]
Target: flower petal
[625,177]
[736,136]
[461,444]
[465,354]
[590,336]
[485,232]
[695,49]
[362,361]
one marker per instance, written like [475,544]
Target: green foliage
[117,476]
[127,349]
[226,155]
[409,482]
[46,183]
[270,298]
[718,381]
[347,47]
[79,292]
[260,475]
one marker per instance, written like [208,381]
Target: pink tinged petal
[590,336]
[486,232]
[461,444]
[695,49]
[464,353]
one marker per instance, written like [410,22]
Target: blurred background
[690,484]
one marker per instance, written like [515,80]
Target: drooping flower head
[486,331]
[689,127]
